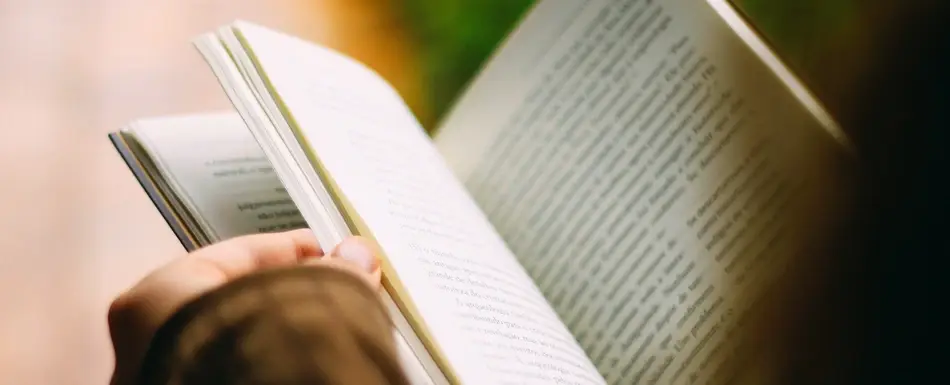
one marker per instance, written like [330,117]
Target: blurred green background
[456,36]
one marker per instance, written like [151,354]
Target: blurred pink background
[76,227]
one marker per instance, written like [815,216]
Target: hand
[136,314]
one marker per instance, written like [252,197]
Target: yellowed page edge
[391,281]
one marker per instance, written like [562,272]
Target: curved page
[485,315]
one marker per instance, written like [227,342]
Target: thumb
[357,255]
[358,251]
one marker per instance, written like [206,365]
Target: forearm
[313,324]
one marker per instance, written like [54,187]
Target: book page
[642,163]
[220,173]
[481,310]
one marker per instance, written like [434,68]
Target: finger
[215,265]
[137,313]
[159,294]
[246,254]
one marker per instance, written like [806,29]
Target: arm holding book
[217,297]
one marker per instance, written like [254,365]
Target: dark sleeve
[302,325]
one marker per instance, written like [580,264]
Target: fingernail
[357,251]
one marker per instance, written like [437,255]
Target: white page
[640,161]
[220,173]
[484,312]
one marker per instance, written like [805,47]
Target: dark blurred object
[862,308]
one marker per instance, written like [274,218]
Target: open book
[589,212]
